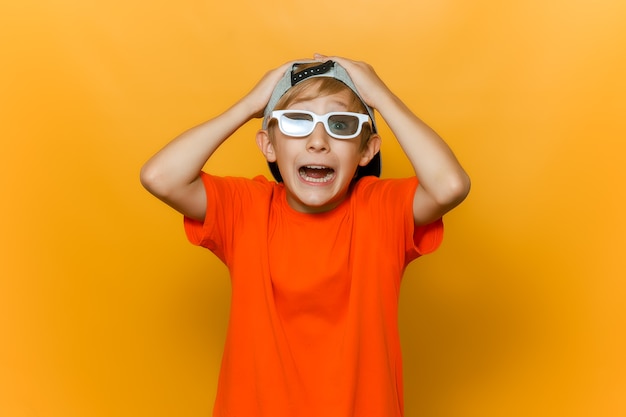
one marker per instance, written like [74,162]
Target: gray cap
[327,69]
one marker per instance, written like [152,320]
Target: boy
[315,258]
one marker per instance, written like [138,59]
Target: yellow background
[106,310]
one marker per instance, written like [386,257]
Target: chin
[315,204]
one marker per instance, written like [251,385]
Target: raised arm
[443,183]
[173,173]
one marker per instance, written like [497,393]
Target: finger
[348,64]
[290,63]
[339,59]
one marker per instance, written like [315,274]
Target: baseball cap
[332,69]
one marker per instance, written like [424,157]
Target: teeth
[327,178]
[329,175]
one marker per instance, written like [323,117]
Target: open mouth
[316,173]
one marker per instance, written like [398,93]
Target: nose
[318,139]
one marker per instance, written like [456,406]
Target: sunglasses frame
[317,118]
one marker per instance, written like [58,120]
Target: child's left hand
[368,83]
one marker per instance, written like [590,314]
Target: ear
[265,145]
[371,148]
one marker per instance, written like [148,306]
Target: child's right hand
[259,96]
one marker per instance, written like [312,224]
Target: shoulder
[384,189]
[385,200]
[237,185]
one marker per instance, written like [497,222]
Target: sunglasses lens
[343,124]
[296,124]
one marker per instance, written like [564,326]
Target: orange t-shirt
[313,327]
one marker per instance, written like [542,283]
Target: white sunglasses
[301,123]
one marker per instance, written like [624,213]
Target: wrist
[249,108]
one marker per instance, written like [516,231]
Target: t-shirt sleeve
[427,238]
[209,233]
[227,200]
[422,239]
[392,200]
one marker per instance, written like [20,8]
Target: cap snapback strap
[296,77]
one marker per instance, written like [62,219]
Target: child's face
[317,169]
